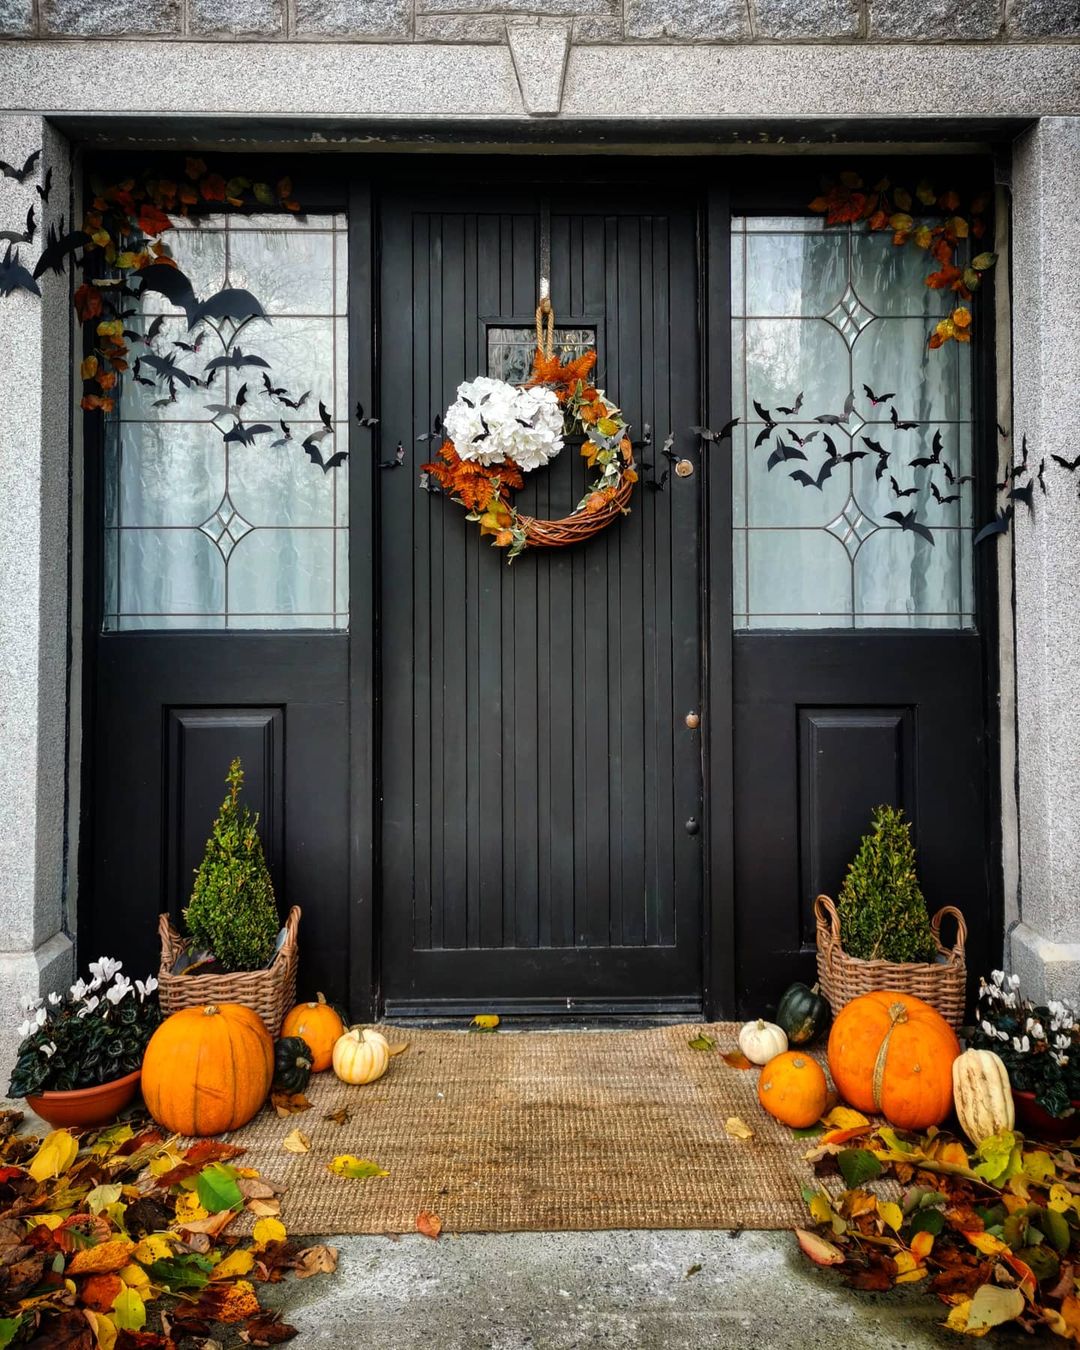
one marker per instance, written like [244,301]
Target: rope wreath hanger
[496,432]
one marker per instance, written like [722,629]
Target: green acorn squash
[803,1014]
[292,1064]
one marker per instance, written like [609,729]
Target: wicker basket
[270,992]
[843,977]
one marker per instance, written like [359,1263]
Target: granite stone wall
[594,21]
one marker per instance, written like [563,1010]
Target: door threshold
[547,1014]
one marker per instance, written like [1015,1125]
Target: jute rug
[539,1131]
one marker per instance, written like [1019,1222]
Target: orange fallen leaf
[265,1209]
[819,1251]
[428,1223]
[289,1103]
[735,1059]
[105,1257]
[99,1291]
[398,1049]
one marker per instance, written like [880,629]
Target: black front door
[541,789]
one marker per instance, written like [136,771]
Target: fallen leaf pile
[993,1232]
[117,1238]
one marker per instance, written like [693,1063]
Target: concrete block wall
[594,21]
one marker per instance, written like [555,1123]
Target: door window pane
[201,532]
[818,314]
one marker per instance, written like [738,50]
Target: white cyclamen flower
[147,988]
[38,1018]
[1022,1044]
[104,968]
[24,1030]
[29,1003]
[119,990]
[79,990]
[1036,1029]
[55,1000]
[998,976]
[48,1049]
[1014,981]
[492,421]
[89,1006]
[987,1028]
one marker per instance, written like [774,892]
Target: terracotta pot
[1039,1124]
[86,1106]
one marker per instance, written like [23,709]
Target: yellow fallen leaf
[346,1165]
[155,1247]
[267,1231]
[738,1128]
[55,1155]
[106,1256]
[957,1319]
[905,1262]
[129,1311]
[238,1262]
[398,1049]
[821,1210]
[296,1141]
[891,1212]
[102,1327]
[188,1209]
[49,1221]
[134,1277]
[922,1244]
[912,1276]
[485,1021]
[165,1162]
[844,1118]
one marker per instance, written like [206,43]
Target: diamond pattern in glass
[852,526]
[849,316]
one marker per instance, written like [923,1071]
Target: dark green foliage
[882,911]
[1039,1044]
[232,911]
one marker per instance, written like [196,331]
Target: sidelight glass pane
[818,315]
[201,532]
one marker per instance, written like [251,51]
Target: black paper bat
[657,484]
[790,412]
[764,434]
[901,492]
[230,409]
[1024,494]
[14,276]
[835,419]
[190,346]
[22,236]
[480,435]
[996,526]
[943,501]
[875,399]
[1022,466]
[167,369]
[140,378]
[900,426]
[906,520]
[232,303]
[164,402]
[58,247]
[877,448]
[725,431]
[235,360]
[284,438]
[154,329]
[801,476]
[782,454]
[397,461]
[365,421]
[425,482]
[830,447]
[169,282]
[436,429]
[951,478]
[1001,430]
[311,447]
[924,461]
[801,440]
[666,449]
[324,413]
[852,456]
[43,192]
[268,385]
[1071,464]
[20,175]
[246,435]
[763,413]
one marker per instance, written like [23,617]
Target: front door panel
[538,775]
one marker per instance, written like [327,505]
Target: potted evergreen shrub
[234,952]
[879,935]
[81,1052]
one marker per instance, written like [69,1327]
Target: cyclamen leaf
[217,1189]
[857,1165]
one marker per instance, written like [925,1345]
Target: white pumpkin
[982,1095]
[361,1055]
[761,1041]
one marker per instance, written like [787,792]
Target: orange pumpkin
[792,1088]
[892,1053]
[208,1069]
[320,1026]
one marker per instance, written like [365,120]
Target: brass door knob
[692,720]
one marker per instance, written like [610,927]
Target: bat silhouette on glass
[807,480]
[790,412]
[245,435]
[925,461]
[952,478]
[906,520]
[876,399]
[997,526]
[943,501]
[898,491]
[235,360]
[167,369]
[782,454]
[20,175]
[14,276]
[311,448]
[839,419]
[284,438]
[898,424]
[25,236]
[707,434]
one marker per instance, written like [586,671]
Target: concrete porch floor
[614,1290]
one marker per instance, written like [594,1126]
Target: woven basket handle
[171,942]
[827,919]
[961,930]
[292,926]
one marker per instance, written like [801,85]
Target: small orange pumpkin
[207,1069]
[892,1053]
[320,1026]
[792,1088]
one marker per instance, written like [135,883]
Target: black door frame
[739,183]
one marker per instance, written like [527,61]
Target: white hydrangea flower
[492,421]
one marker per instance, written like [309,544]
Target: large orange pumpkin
[892,1053]
[320,1027]
[208,1069]
[792,1088]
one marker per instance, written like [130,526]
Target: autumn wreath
[496,432]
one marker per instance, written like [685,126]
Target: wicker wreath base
[580,526]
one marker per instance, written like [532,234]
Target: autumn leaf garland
[888,207]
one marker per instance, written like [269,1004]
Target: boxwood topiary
[232,910]
[882,911]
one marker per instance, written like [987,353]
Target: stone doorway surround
[547,83]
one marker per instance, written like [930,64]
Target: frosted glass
[282,571]
[795,274]
[291,273]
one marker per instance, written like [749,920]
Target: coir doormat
[541,1131]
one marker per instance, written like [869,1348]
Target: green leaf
[1042,1260]
[984,261]
[1001,1159]
[972,280]
[1015,1229]
[9,1326]
[262,194]
[347,1166]
[182,1272]
[129,1311]
[927,1221]
[217,1188]
[809,1131]
[701,1042]
[1056,1228]
[857,1165]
